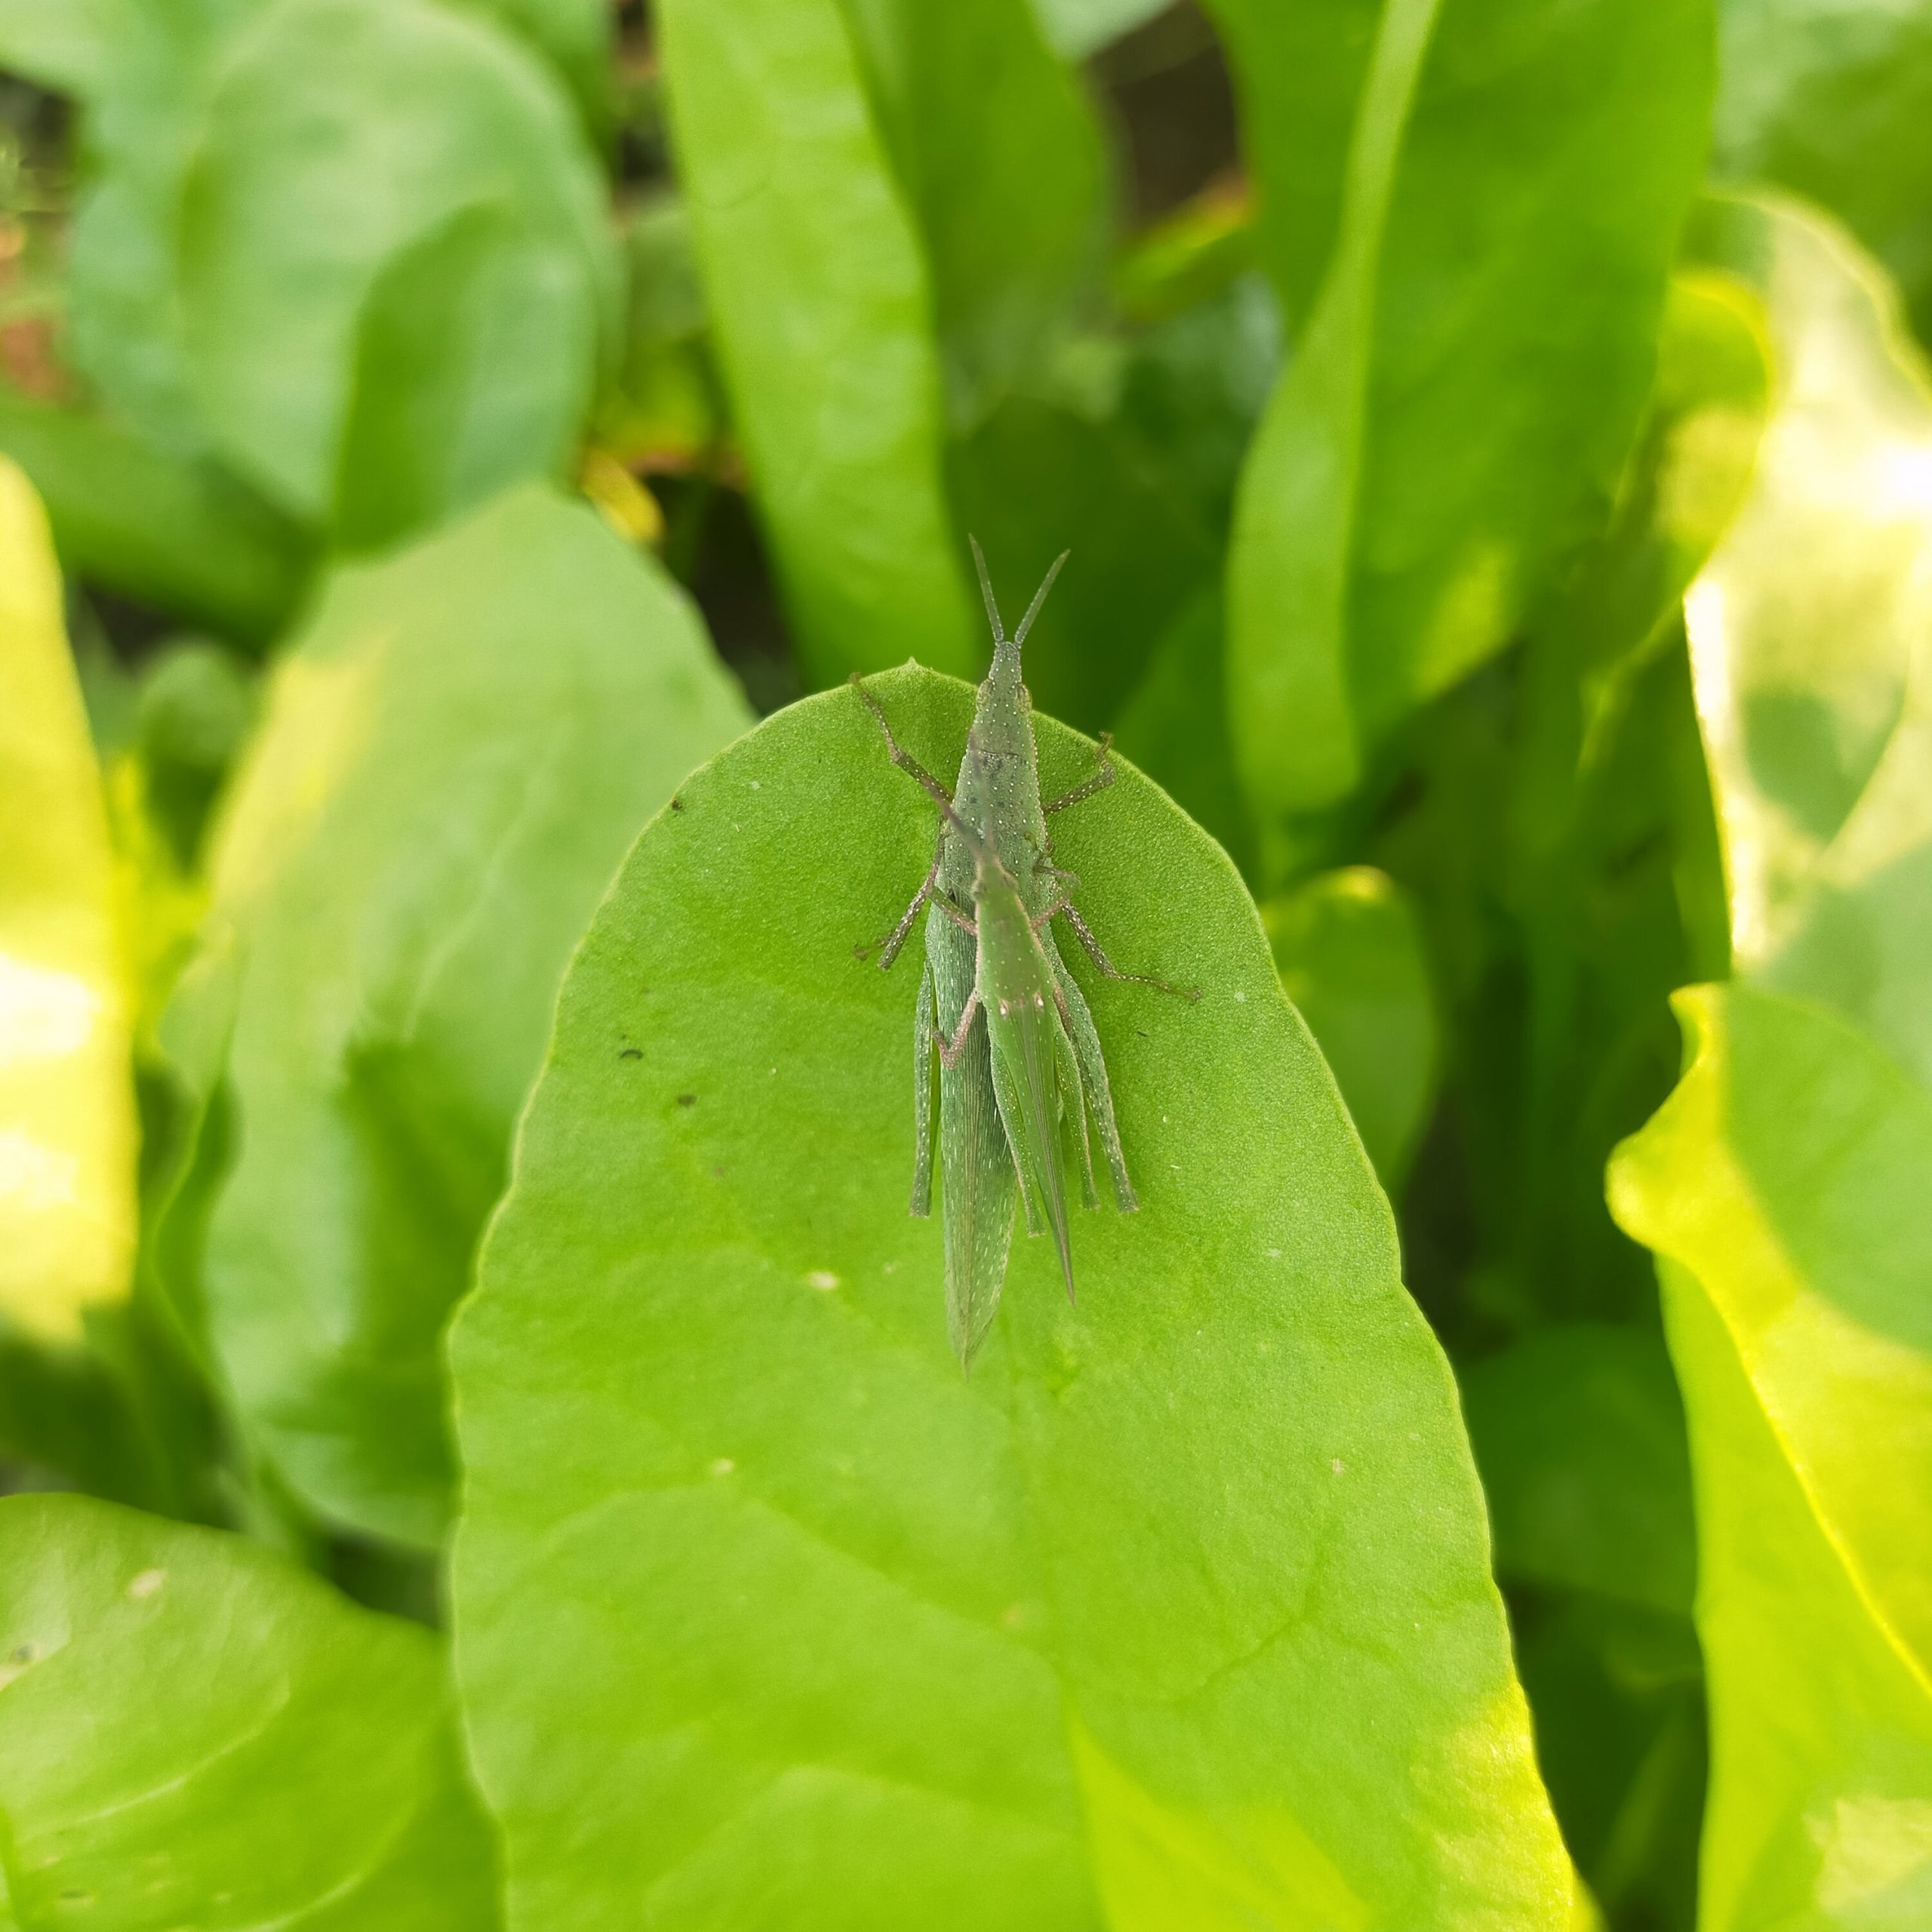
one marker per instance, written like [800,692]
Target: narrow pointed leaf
[997,152]
[1463,397]
[823,311]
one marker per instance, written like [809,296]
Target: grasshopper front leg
[888,948]
[1101,778]
[904,759]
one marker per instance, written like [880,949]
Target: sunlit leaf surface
[1783,1185]
[67,1128]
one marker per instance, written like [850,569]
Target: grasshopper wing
[1026,1044]
[977,1180]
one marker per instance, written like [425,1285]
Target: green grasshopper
[1018,1054]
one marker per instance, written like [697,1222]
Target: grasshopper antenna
[1039,597]
[987,592]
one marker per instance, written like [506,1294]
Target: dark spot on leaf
[631,1052]
[677,804]
[688,1099]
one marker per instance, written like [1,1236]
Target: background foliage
[1497,456]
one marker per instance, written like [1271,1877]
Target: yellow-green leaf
[1784,1183]
[67,1127]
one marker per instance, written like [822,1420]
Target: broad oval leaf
[194,1732]
[1464,394]
[822,308]
[1177,1612]
[340,141]
[68,1132]
[1784,1184]
[458,751]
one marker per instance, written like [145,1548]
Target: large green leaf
[386,193]
[998,153]
[1831,97]
[1783,1186]
[458,751]
[1472,371]
[1177,1613]
[67,1133]
[193,1733]
[821,301]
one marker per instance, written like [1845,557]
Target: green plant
[452,1169]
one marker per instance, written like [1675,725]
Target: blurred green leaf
[1349,953]
[997,150]
[1190,257]
[457,752]
[142,74]
[194,1733]
[1177,1613]
[1298,72]
[1040,477]
[1078,28]
[68,1134]
[575,36]
[1579,1433]
[1782,1185]
[663,406]
[823,307]
[296,204]
[1832,98]
[1464,394]
[1193,387]
[1808,634]
[176,534]
[1175,725]
[388,195]
[1620,1738]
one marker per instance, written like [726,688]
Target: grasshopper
[1019,1056]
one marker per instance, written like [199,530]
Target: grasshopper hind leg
[922,1096]
[1093,1072]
